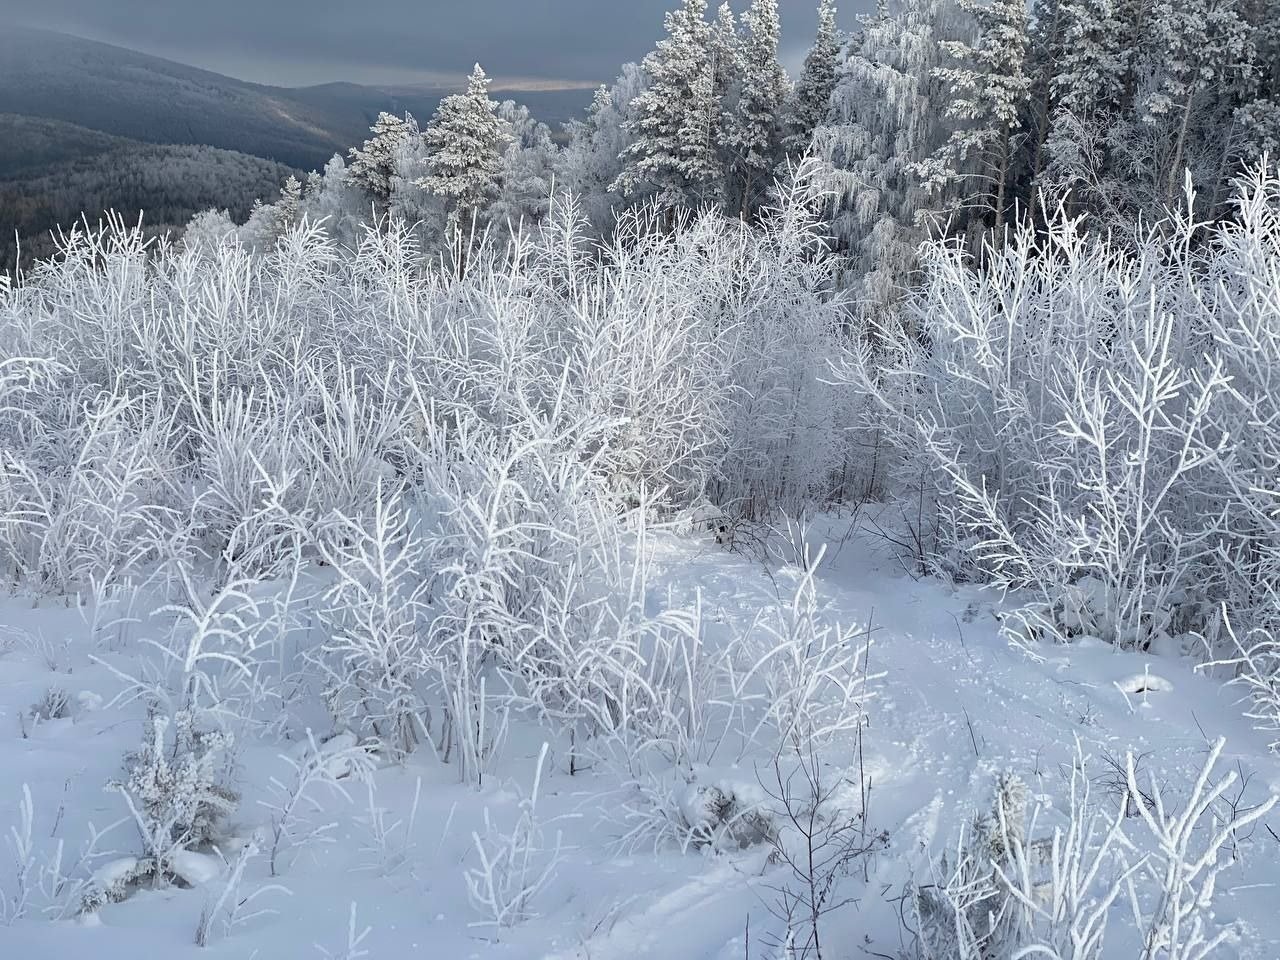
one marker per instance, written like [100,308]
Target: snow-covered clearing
[955,707]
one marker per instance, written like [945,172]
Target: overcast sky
[295,42]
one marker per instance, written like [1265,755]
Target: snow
[196,869]
[955,707]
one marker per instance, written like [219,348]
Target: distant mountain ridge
[120,92]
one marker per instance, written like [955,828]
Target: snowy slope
[955,707]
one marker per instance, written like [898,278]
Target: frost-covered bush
[1092,419]
[513,867]
[240,398]
[173,788]
[969,912]
[373,657]
[450,456]
[1013,890]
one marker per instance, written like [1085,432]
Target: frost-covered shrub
[173,788]
[244,397]
[208,230]
[810,676]
[1092,419]
[1013,890]
[375,613]
[969,913]
[55,704]
[466,444]
[515,866]
[1254,659]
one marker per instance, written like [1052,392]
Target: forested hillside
[32,146]
[169,184]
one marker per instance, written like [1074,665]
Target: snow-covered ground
[955,707]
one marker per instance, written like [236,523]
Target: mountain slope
[117,91]
[171,183]
[31,145]
[121,92]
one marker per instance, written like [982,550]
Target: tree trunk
[1044,108]
[1003,177]
[1175,168]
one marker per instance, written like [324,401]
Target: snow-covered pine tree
[373,165]
[289,206]
[1258,116]
[410,201]
[1199,49]
[1095,60]
[528,166]
[989,88]
[467,140]
[1044,57]
[330,197]
[885,117]
[726,79]
[808,105]
[1091,92]
[756,135]
[673,153]
[590,164]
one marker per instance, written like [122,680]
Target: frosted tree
[467,140]
[885,118]
[591,162]
[725,46]
[1199,48]
[331,196]
[1148,92]
[528,167]
[989,88]
[410,201]
[373,164]
[1258,116]
[1044,56]
[289,206]
[1096,57]
[808,105]
[261,230]
[674,153]
[1091,93]
[756,135]
[208,230]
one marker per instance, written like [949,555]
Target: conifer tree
[808,105]
[726,78]
[1091,94]
[1199,48]
[524,192]
[756,138]
[373,165]
[1096,58]
[885,119]
[289,206]
[411,202]
[590,164]
[1045,54]
[989,88]
[673,153]
[1258,115]
[467,140]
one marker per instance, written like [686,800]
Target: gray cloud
[578,42]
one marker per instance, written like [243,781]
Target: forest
[772,519]
[163,186]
